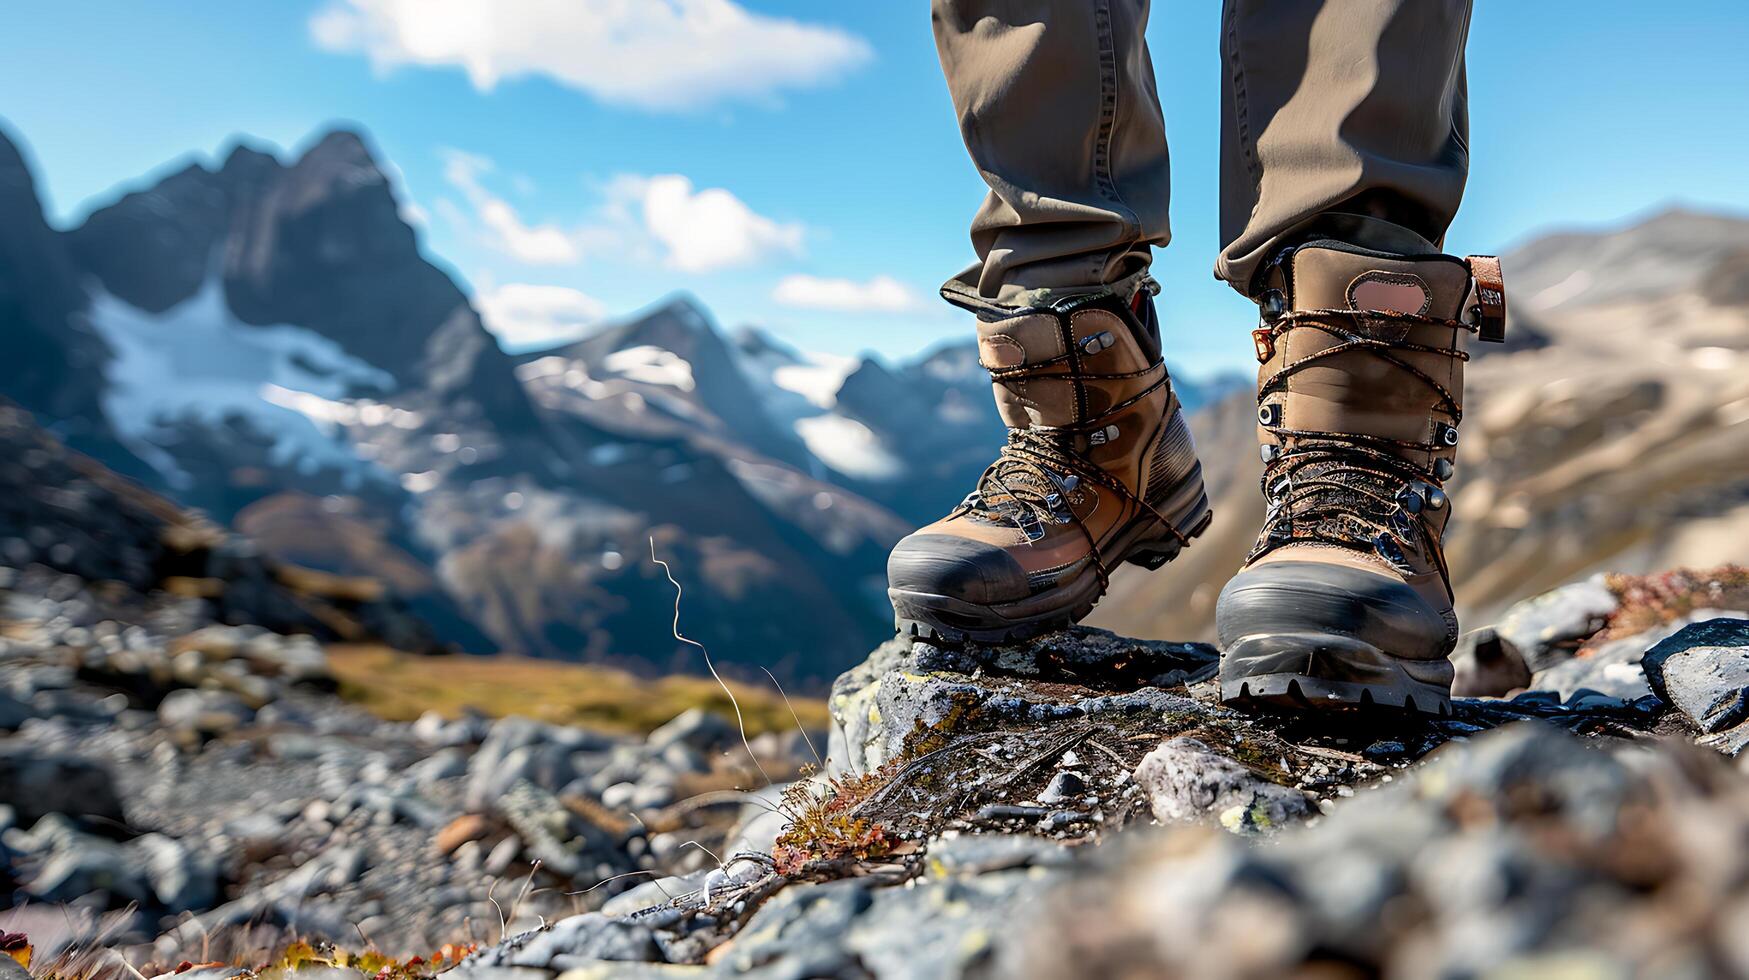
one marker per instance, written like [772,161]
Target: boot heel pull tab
[1490,308]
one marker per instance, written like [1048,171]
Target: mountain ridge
[369,423]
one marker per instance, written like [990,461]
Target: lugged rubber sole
[1324,671]
[945,619]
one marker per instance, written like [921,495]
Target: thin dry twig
[795,717]
[740,722]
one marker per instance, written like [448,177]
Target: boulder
[1547,628]
[907,687]
[153,871]
[1703,670]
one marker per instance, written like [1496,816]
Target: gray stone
[203,713]
[1487,665]
[695,727]
[964,854]
[567,944]
[1703,670]
[444,764]
[155,871]
[1065,787]
[946,927]
[1187,781]
[435,730]
[183,878]
[760,821]
[1731,742]
[1544,627]
[1079,674]
[1613,667]
[524,749]
[564,843]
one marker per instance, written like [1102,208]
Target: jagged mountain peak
[757,343]
[246,162]
[48,352]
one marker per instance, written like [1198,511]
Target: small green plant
[821,825]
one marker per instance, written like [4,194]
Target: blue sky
[584,164]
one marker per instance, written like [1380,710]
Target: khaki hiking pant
[1343,118]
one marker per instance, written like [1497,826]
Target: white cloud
[882,293]
[506,231]
[649,54]
[536,245]
[703,230]
[659,218]
[525,315]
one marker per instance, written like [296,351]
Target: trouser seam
[1241,104]
[1242,128]
[1108,95]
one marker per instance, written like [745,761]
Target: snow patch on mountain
[817,378]
[196,362]
[651,365]
[849,447]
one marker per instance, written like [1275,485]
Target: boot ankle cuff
[1012,300]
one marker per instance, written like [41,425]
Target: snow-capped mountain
[264,340]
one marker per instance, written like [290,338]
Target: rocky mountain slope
[1612,433]
[181,783]
[264,340]
[1078,803]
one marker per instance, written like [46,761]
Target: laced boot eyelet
[1102,436]
[1388,548]
[1098,342]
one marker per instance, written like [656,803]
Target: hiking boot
[1346,600]
[1099,469]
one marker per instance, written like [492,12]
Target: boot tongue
[1361,391]
[1331,277]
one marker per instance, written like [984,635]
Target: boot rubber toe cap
[1309,598]
[959,568]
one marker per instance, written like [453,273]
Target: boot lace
[1031,482]
[1353,489]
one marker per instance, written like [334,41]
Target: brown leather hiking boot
[1346,600]
[1099,469]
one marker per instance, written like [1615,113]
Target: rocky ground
[186,788]
[182,790]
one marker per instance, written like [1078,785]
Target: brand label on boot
[1389,292]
